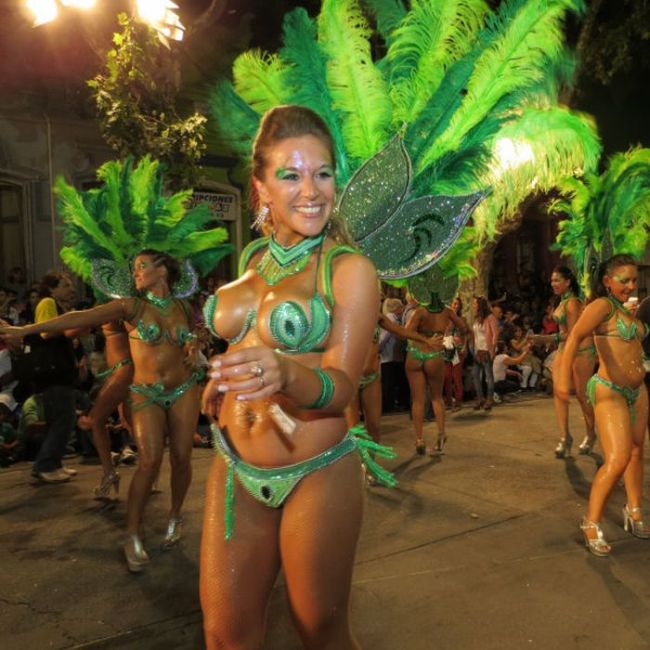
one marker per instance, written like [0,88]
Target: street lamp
[158,14]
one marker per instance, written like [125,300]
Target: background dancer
[566,314]
[425,366]
[617,393]
[165,394]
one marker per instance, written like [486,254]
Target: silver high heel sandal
[173,534]
[109,481]
[563,449]
[136,556]
[596,545]
[440,444]
[587,445]
[636,527]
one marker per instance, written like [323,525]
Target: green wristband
[326,390]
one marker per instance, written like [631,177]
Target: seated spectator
[500,368]
[8,441]
[549,326]
[531,366]
[32,427]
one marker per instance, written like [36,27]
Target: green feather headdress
[463,85]
[605,215]
[129,213]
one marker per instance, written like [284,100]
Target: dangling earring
[262,216]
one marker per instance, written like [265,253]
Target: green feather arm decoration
[130,212]
[607,214]
[359,92]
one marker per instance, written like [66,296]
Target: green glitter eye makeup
[285,174]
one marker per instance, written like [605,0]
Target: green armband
[558,338]
[326,390]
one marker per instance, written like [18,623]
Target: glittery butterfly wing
[112,279]
[432,286]
[402,237]
[188,283]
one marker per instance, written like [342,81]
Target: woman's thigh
[237,575]
[318,537]
[182,418]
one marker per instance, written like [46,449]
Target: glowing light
[160,15]
[79,4]
[43,11]
[510,154]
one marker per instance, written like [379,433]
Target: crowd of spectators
[496,359]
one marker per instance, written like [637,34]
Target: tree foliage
[136,96]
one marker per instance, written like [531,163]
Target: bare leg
[317,543]
[613,421]
[234,589]
[562,415]
[371,404]
[148,430]
[417,383]
[114,391]
[434,370]
[583,369]
[182,417]
[634,471]
[352,411]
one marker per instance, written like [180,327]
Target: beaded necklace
[279,262]
[162,303]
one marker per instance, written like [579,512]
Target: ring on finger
[262,382]
[257,369]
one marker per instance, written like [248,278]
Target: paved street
[477,549]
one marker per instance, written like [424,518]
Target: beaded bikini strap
[326,269]
[248,252]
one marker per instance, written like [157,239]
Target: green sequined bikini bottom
[156,393]
[420,355]
[272,485]
[630,394]
[366,380]
[109,371]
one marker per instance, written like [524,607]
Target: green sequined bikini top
[625,331]
[561,318]
[152,334]
[290,326]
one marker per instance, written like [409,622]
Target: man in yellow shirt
[55,373]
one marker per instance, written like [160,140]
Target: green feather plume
[235,121]
[359,93]
[531,155]
[613,208]
[261,80]
[526,37]
[388,15]
[129,212]
[307,75]
[431,38]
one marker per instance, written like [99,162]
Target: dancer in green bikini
[164,395]
[566,314]
[286,489]
[425,365]
[617,393]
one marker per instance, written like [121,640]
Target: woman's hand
[253,373]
